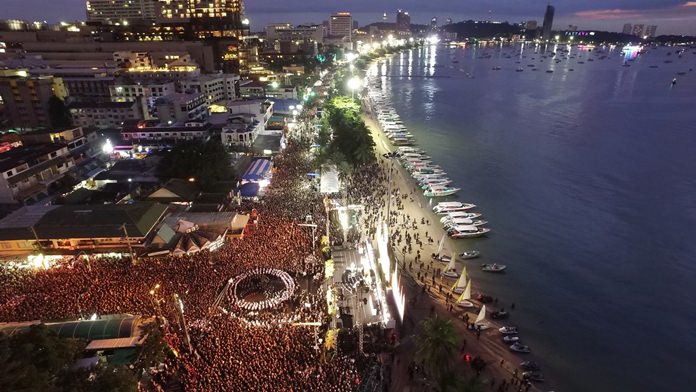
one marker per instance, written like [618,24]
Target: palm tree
[436,344]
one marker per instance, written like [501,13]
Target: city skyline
[673,16]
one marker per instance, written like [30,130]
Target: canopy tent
[258,170]
[250,189]
[329,180]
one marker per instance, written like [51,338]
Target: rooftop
[101,105]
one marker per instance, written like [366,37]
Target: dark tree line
[206,162]
[345,138]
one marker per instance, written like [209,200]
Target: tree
[478,364]
[32,360]
[206,162]
[436,346]
[58,113]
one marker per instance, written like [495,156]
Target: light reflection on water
[587,179]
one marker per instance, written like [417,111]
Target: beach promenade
[426,290]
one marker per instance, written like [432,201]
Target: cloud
[609,14]
[690,4]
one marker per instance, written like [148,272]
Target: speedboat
[530,366]
[442,258]
[440,191]
[467,231]
[447,207]
[464,222]
[511,339]
[519,348]
[469,254]
[459,215]
[435,182]
[508,330]
[533,376]
[493,267]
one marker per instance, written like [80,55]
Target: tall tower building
[341,24]
[121,10]
[433,23]
[403,22]
[548,23]
[638,30]
[651,31]
[627,29]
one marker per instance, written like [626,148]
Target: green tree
[436,346]
[32,360]
[58,113]
[206,162]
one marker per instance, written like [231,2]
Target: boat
[440,191]
[459,215]
[493,267]
[451,269]
[529,366]
[467,231]
[436,182]
[500,315]
[469,254]
[511,339]
[481,322]
[508,330]
[461,284]
[463,300]
[455,206]
[520,348]
[533,376]
[464,222]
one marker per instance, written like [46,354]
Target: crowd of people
[229,352]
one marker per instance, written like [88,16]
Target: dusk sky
[671,16]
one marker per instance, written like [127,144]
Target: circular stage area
[260,289]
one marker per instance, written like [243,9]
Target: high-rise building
[201,9]
[449,21]
[548,23]
[403,22]
[26,99]
[628,28]
[120,11]
[384,17]
[341,24]
[433,23]
[638,30]
[651,31]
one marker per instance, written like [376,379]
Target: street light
[354,83]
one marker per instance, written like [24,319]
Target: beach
[427,296]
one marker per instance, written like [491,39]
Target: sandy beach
[501,363]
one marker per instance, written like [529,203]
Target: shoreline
[414,206]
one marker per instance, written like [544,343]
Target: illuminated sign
[579,33]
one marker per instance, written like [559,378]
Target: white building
[162,134]
[241,130]
[214,87]
[341,25]
[180,108]
[28,171]
[104,115]
[288,32]
[128,91]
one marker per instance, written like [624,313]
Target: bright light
[274,85]
[93,317]
[350,57]
[191,179]
[245,21]
[264,183]
[295,112]
[433,39]
[108,148]
[354,83]
[558,37]
[299,107]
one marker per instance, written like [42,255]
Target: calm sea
[588,177]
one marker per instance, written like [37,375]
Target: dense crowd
[230,353]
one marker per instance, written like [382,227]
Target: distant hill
[474,29]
